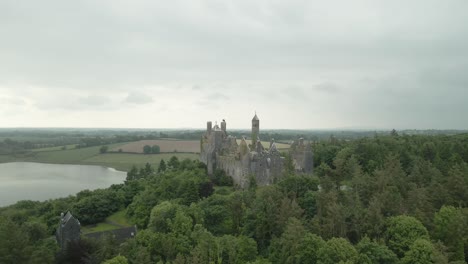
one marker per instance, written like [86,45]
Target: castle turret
[223,125]
[209,125]
[255,128]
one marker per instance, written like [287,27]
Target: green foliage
[309,247]
[402,231]
[173,163]
[117,260]
[99,204]
[220,178]
[155,149]
[286,249]
[366,186]
[421,252]
[376,253]
[451,227]
[337,250]
[13,242]
[239,249]
[147,149]
[162,166]
[103,149]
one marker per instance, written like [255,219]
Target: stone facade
[68,230]
[240,161]
[302,156]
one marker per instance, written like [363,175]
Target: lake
[42,181]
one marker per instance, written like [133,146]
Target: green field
[92,156]
[54,148]
[115,221]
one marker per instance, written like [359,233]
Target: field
[92,156]
[131,154]
[54,148]
[186,146]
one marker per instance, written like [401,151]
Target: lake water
[42,181]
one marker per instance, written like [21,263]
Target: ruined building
[219,150]
[68,230]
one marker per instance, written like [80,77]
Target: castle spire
[255,128]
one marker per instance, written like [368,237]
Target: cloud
[327,87]
[301,59]
[138,98]
[12,101]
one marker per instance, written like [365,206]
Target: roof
[120,234]
[255,118]
[67,216]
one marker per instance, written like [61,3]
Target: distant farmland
[167,146]
[173,146]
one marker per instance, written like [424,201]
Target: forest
[378,199]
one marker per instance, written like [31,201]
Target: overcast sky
[170,64]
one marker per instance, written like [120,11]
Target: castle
[240,161]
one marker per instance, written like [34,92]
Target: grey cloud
[93,100]
[12,101]
[216,97]
[285,52]
[86,103]
[327,87]
[138,98]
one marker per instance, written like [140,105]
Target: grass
[98,228]
[69,156]
[92,156]
[114,221]
[7,158]
[57,148]
[119,218]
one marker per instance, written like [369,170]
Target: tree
[173,163]
[161,216]
[422,252]
[155,149]
[337,250]
[286,248]
[308,250]
[13,242]
[376,253]
[117,260]
[451,228]
[132,174]
[162,166]
[147,149]
[402,231]
[103,149]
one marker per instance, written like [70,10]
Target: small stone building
[69,230]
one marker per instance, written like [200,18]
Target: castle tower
[255,129]
[209,126]
[223,126]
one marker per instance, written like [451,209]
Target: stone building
[68,230]
[302,156]
[219,150]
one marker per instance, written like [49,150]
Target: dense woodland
[381,199]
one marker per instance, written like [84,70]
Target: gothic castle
[240,161]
